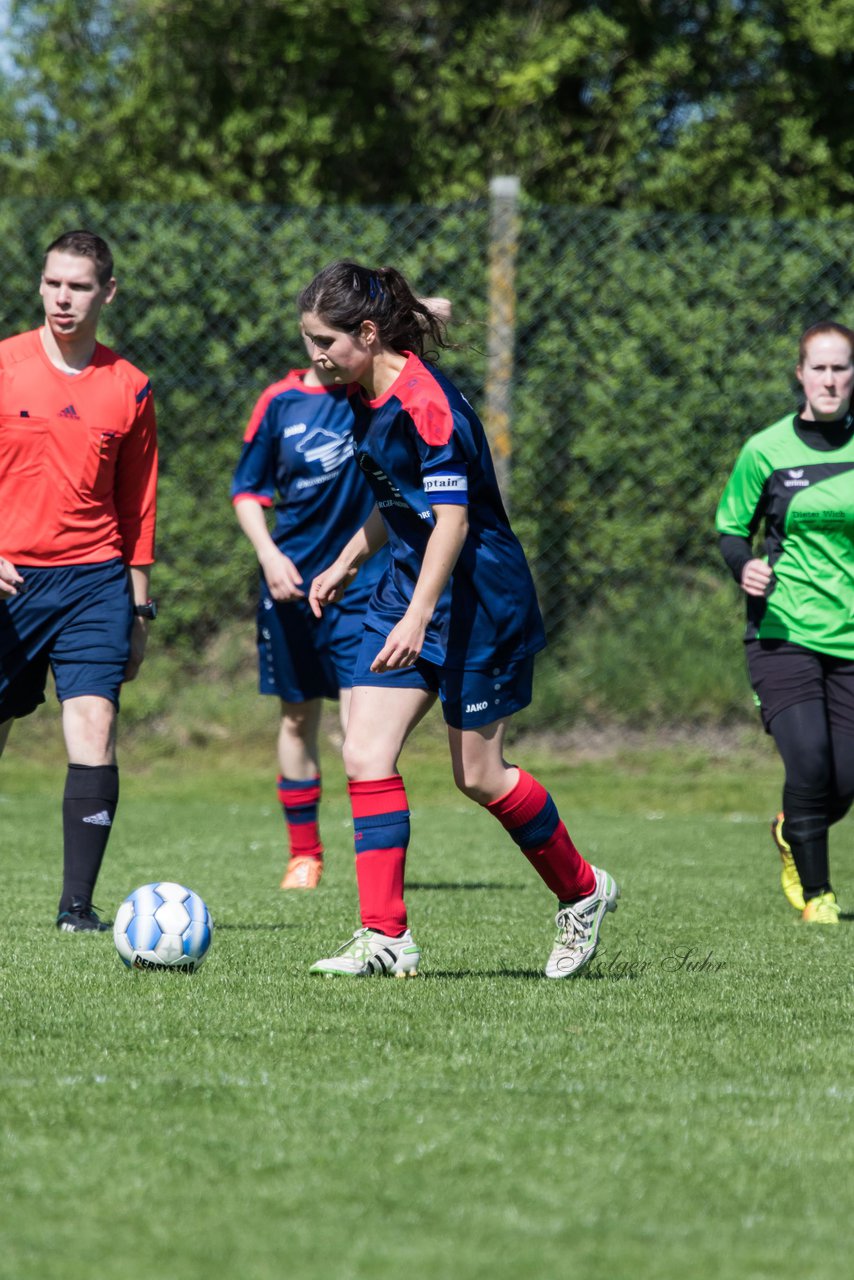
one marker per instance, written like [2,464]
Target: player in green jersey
[795,482]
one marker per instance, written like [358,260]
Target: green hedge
[648,348]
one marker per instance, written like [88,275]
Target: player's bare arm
[330,585]
[140,579]
[280,573]
[405,641]
[441,308]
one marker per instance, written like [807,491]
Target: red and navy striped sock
[381,837]
[300,802]
[528,813]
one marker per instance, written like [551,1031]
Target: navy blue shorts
[470,698]
[301,657]
[75,619]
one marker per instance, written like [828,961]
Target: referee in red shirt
[78,475]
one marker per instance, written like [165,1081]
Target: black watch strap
[147,610]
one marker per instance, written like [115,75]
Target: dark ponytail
[345,293]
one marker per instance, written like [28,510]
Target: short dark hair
[85,244]
[818,330]
[345,294]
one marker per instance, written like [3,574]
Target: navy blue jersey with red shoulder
[298,456]
[421,444]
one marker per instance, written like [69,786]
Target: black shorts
[783,674]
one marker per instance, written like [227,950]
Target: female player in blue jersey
[454,615]
[298,453]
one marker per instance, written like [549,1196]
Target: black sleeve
[736,552]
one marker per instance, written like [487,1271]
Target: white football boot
[578,925]
[370,954]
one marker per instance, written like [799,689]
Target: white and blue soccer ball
[163,926]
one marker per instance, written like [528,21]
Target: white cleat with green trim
[578,925]
[369,954]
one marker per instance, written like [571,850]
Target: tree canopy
[721,106]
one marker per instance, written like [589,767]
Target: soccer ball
[163,926]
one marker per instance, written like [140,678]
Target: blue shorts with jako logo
[75,620]
[470,698]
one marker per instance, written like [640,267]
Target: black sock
[805,829]
[88,809]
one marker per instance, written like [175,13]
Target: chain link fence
[619,360]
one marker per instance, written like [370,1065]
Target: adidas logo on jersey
[297,429]
[69,412]
[101,819]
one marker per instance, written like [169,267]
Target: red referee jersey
[78,458]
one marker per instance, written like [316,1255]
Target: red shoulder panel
[426,403]
[292,379]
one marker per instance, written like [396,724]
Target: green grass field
[679,1111]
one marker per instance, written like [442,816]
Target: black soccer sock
[88,808]
[803,740]
[805,829]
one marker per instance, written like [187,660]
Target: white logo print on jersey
[796,482]
[396,500]
[296,430]
[325,447]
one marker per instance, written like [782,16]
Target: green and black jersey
[796,479]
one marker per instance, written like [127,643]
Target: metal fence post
[503,248]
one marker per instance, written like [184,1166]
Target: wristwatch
[147,610]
